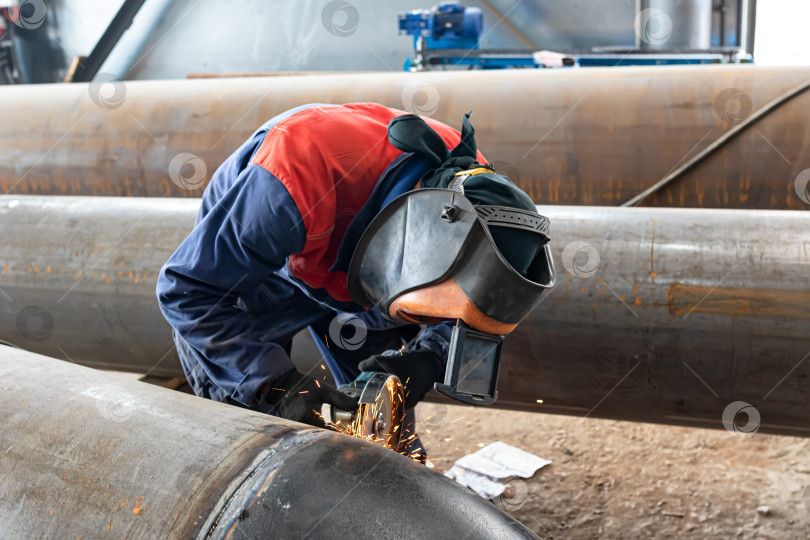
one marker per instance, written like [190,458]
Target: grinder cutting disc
[381,408]
[381,411]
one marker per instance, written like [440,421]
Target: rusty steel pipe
[78,276]
[88,454]
[579,137]
[670,315]
[660,315]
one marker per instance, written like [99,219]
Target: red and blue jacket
[273,239]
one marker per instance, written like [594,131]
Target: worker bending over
[271,250]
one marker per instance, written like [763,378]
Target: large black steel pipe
[661,315]
[591,136]
[87,454]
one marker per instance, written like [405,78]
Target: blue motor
[448,26]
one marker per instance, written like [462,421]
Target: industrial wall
[170,38]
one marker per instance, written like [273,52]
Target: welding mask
[468,246]
[431,255]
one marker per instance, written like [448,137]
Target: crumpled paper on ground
[481,470]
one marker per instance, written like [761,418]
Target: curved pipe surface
[660,315]
[669,315]
[78,277]
[87,453]
[581,137]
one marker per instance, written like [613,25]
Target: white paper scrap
[500,460]
[483,485]
[481,470]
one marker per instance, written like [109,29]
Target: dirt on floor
[612,479]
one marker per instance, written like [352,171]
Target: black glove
[417,370]
[295,396]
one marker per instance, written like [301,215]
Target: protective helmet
[430,256]
[442,253]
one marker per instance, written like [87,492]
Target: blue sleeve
[436,337]
[246,236]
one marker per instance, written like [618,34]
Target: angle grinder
[380,413]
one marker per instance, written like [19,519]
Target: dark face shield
[430,256]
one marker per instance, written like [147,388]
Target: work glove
[297,397]
[417,371]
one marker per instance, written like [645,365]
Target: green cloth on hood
[410,133]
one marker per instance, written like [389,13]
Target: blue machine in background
[447,37]
[449,26]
